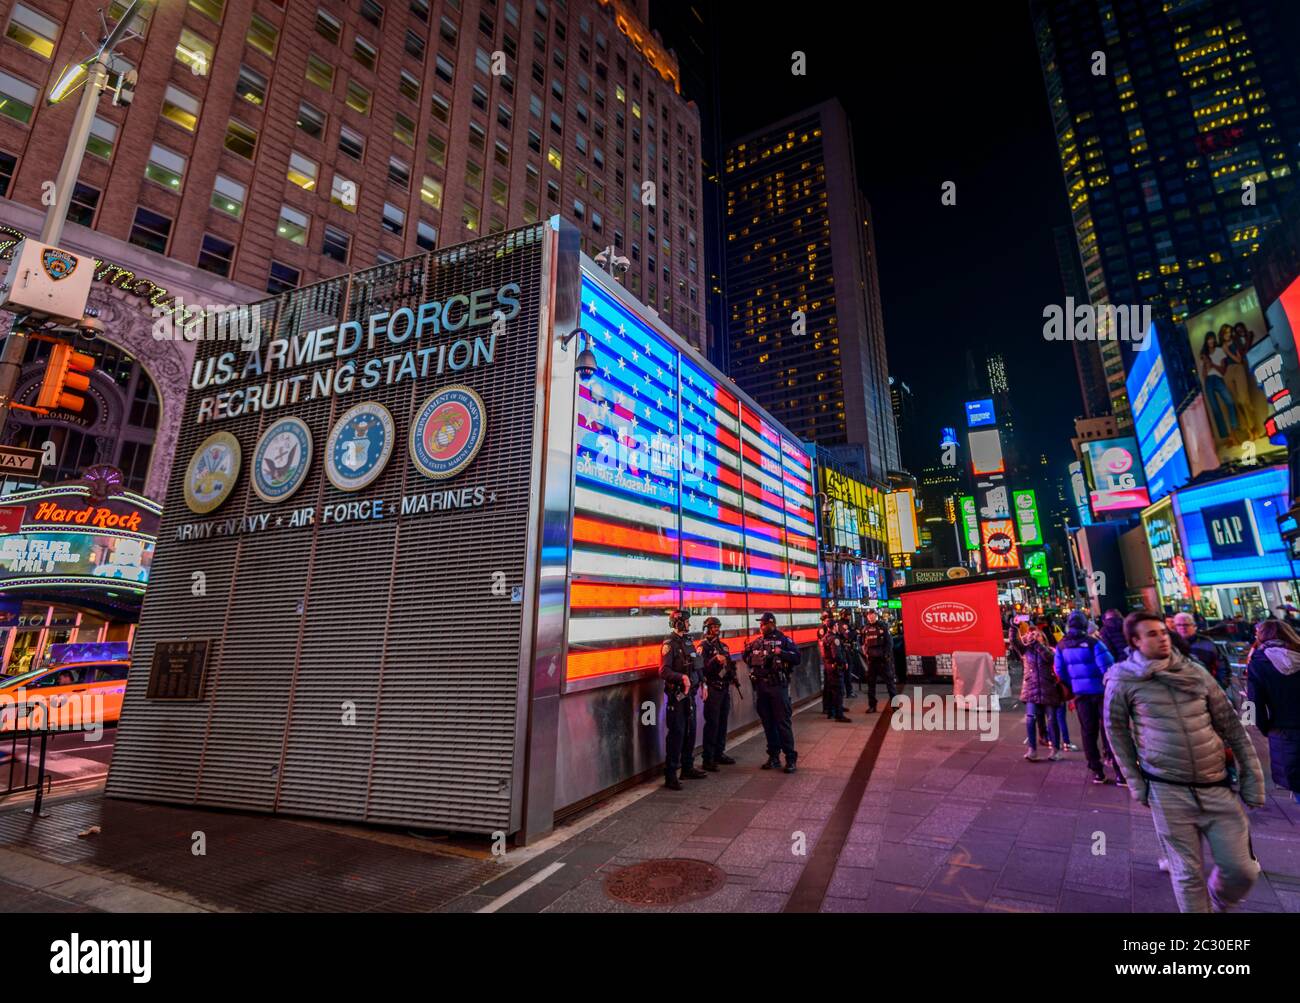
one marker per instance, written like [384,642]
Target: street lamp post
[95,70]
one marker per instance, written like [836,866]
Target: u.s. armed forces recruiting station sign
[354,502]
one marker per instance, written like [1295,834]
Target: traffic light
[67,376]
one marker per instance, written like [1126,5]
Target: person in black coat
[1273,688]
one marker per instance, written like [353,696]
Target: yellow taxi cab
[67,695]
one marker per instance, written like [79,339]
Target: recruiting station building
[413,569]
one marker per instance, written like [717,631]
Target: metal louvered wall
[364,670]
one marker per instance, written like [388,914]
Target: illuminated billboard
[1115,478]
[1172,583]
[999,543]
[900,517]
[68,539]
[1160,439]
[980,413]
[1029,530]
[970,522]
[1079,490]
[683,496]
[986,452]
[1220,339]
[1230,528]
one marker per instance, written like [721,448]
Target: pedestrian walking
[771,658]
[1081,663]
[1112,634]
[1273,689]
[1040,692]
[1168,722]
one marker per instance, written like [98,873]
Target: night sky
[957,96]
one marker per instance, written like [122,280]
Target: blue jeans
[1215,387]
[1063,724]
[1032,712]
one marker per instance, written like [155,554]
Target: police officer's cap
[767,618]
[712,621]
[678,617]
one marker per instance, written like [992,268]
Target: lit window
[302,172]
[211,8]
[554,159]
[216,255]
[240,139]
[335,244]
[293,225]
[251,86]
[165,168]
[195,52]
[262,36]
[343,192]
[32,31]
[320,73]
[394,219]
[358,98]
[103,135]
[180,108]
[228,196]
[470,217]
[404,129]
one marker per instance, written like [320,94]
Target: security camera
[91,326]
[585,365]
[124,93]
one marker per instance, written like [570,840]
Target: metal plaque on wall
[178,670]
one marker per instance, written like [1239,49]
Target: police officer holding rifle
[771,658]
[681,683]
[719,677]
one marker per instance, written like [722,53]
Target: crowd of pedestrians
[1157,706]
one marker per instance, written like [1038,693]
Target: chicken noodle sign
[436,338]
[939,621]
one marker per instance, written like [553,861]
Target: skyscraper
[1178,128]
[805,327]
[1093,386]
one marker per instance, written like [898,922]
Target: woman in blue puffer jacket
[1081,663]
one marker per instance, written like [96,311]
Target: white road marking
[523,886]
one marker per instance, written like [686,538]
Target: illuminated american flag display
[683,496]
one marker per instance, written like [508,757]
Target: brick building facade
[277,142]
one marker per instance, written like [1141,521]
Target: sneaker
[725,761]
[1056,755]
[789,767]
[1031,755]
[1071,746]
[771,764]
[710,767]
[1099,777]
[1163,864]
[691,773]
[1121,782]
[672,783]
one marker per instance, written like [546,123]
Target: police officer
[834,666]
[719,677]
[681,681]
[771,658]
[850,639]
[878,649]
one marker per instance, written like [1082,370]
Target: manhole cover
[664,882]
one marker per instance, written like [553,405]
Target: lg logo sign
[948,617]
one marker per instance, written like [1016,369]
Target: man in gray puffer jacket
[1168,721]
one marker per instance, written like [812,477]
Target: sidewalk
[875,820]
[946,823]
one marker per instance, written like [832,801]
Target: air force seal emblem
[57,264]
[359,446]
[281,460]
[447,432]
